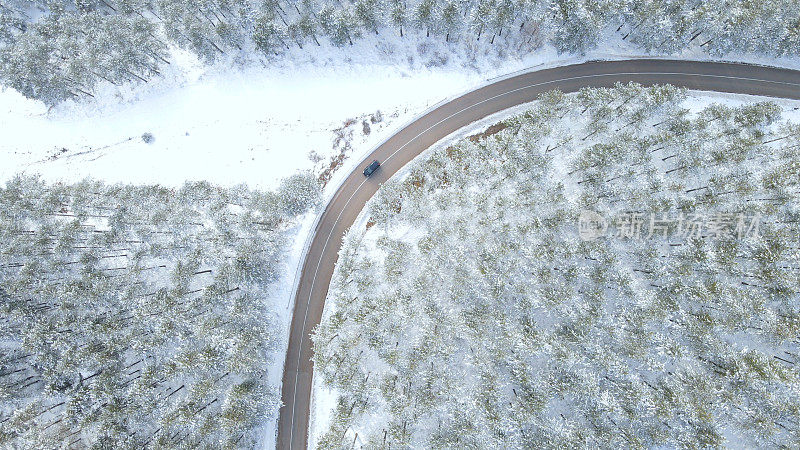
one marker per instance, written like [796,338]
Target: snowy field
[235,122]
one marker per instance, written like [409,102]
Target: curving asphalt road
[436,124]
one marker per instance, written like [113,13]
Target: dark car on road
[370,169]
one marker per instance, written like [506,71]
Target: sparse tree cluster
[470,314]
[57,50]
[137,317]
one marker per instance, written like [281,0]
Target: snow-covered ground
[243,127]
[245,122]
[240,122]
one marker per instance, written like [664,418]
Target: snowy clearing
[230,123]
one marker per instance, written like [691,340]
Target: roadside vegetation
[138,316]
[468,311]
[53,50]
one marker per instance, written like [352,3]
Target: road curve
[436,124]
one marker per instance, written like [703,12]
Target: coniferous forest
[610,268]
[136,316]
[468,311]
[54,50]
